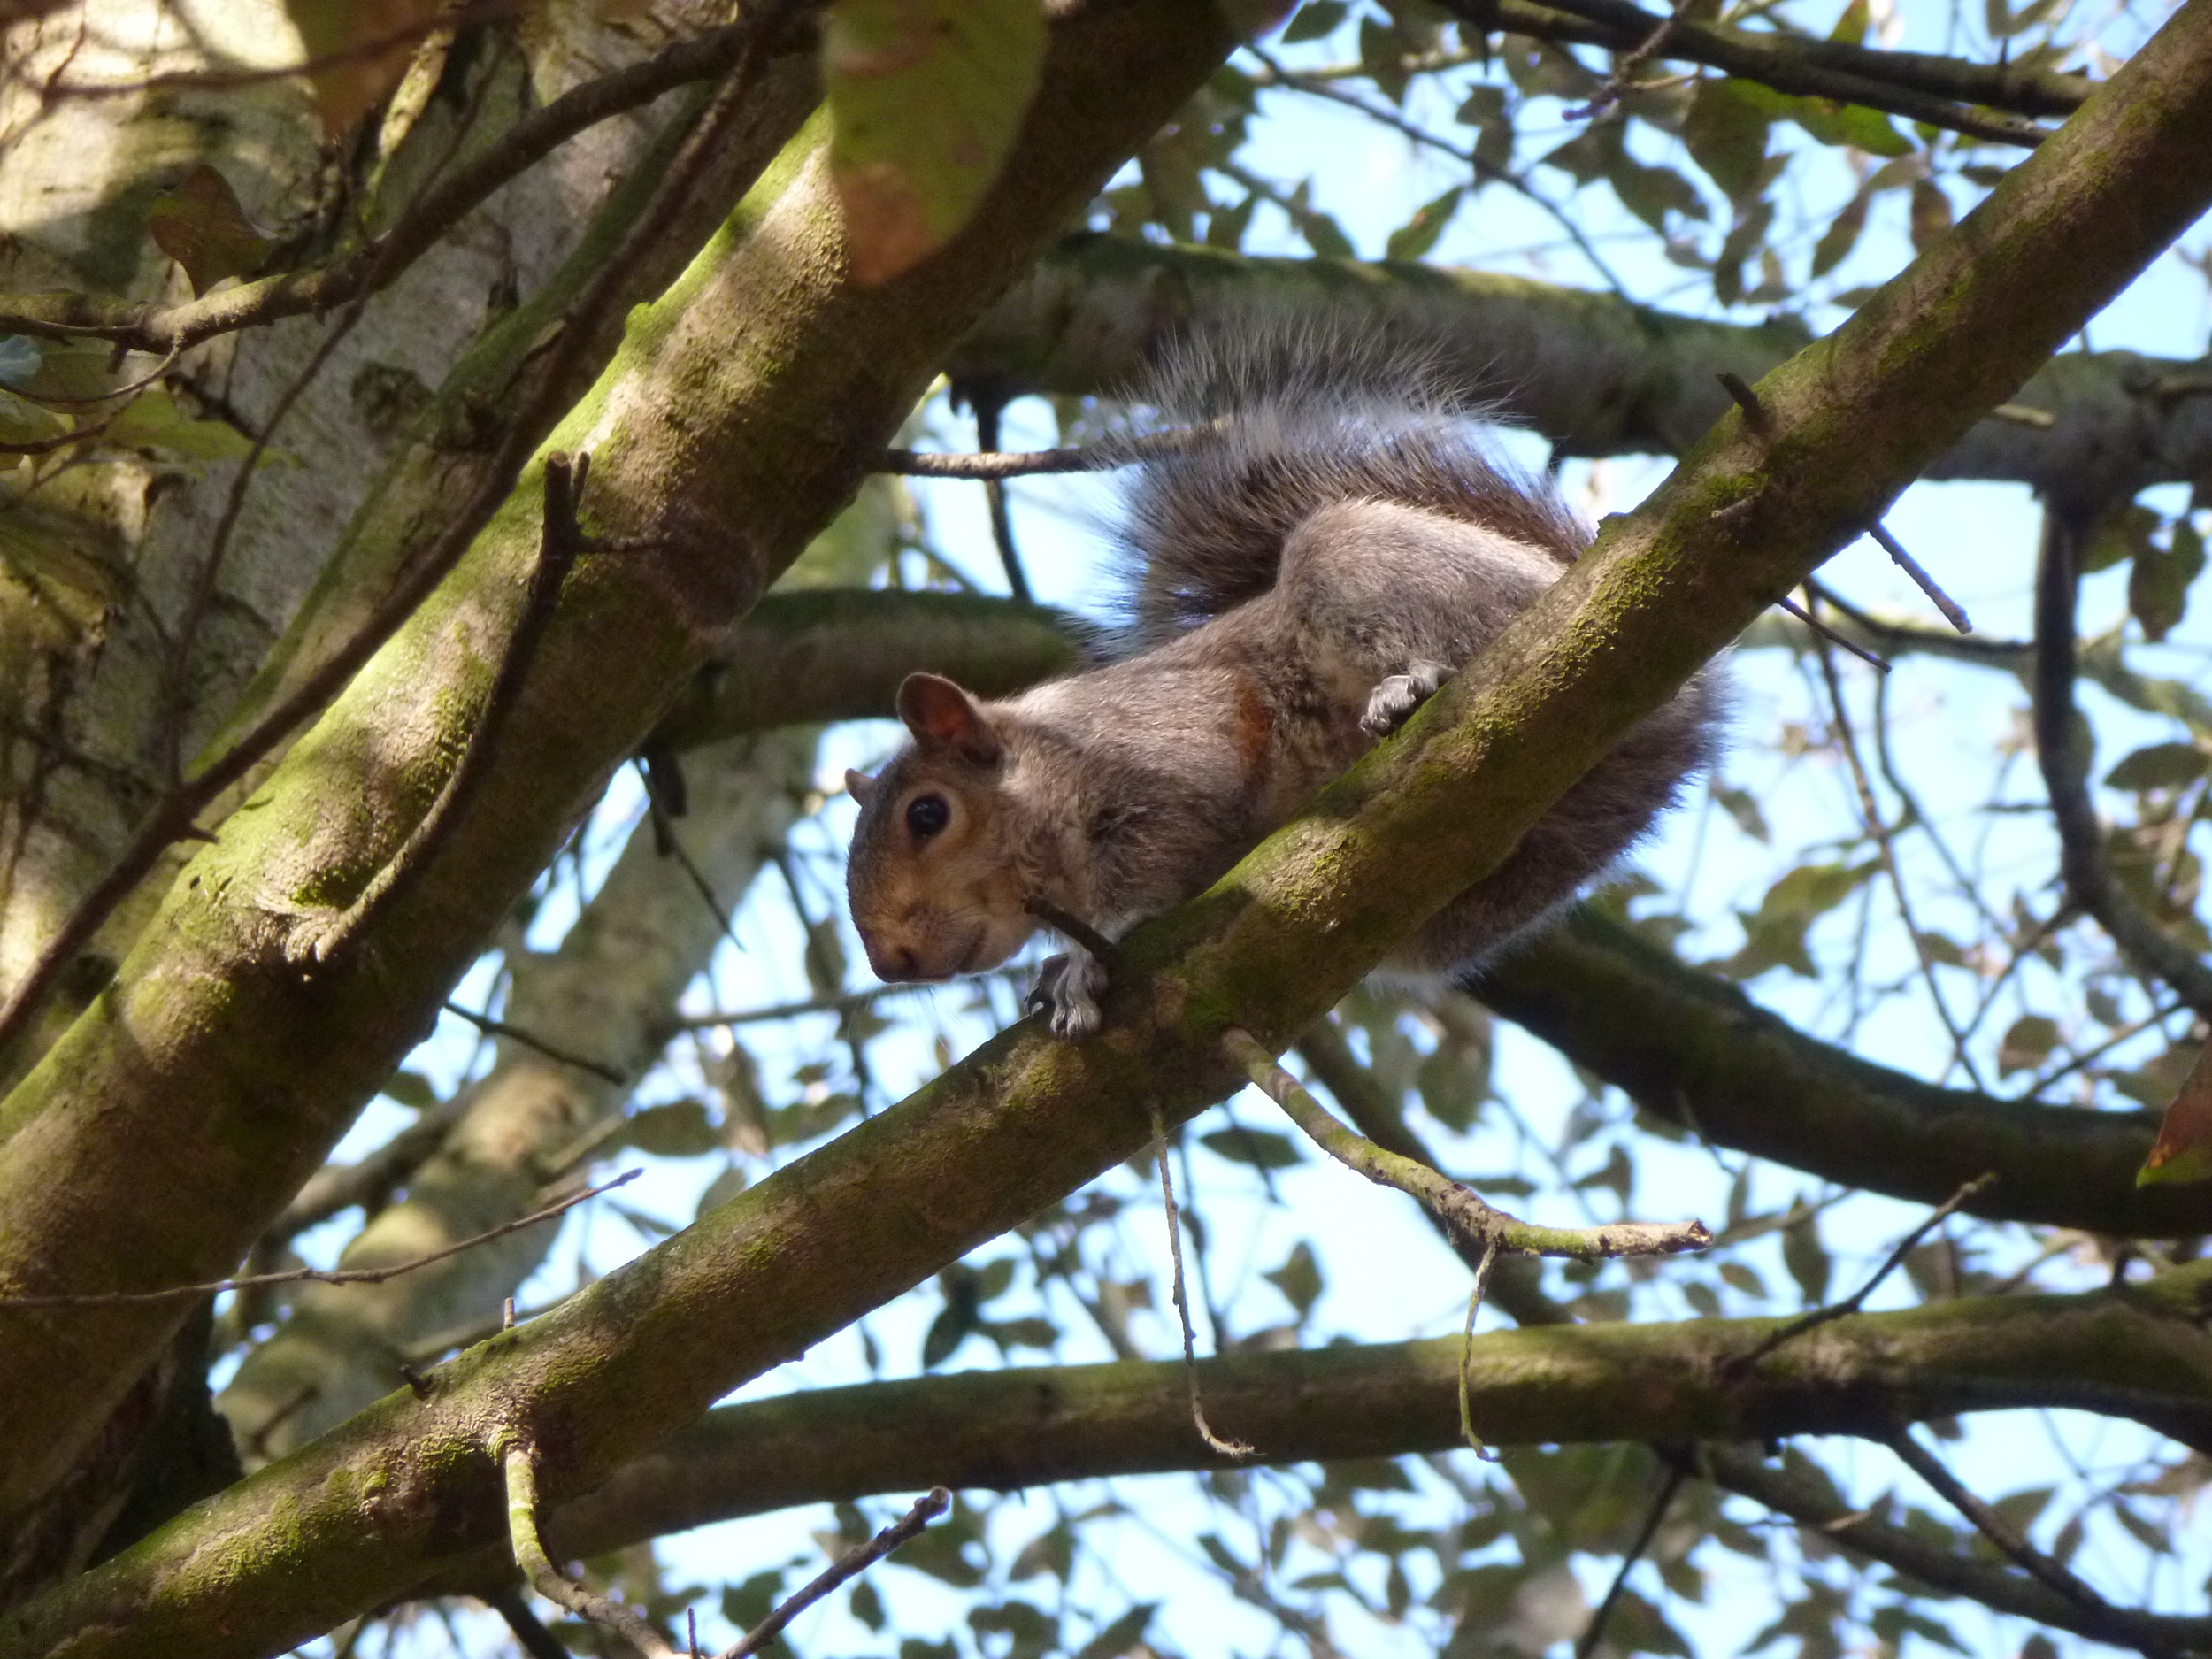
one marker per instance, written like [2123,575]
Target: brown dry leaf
[358,50]
[200,225]
[2183,1150]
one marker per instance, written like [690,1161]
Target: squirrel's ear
[857,784]
[942,717]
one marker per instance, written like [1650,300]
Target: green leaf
[2158,586]
[1726,134]
[1841,236]
[153,421]
[1313,19]
[1774,935]
[1123,1634]
[681,1129]
[2119,535]
[1029,1332]
[1413,239]
[1807,1258]
[411,1089]
[200,225]
[1740,806]
[1299,1279]
[1851,27]
[2027,1044]
[721,1189]
[1262,1149]
[1931,214]
[2158,767]
[925,97]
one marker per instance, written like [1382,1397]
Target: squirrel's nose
[898,963]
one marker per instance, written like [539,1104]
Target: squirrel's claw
[1396,696]
[1067,989]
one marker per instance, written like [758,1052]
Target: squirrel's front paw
[1397,696]
[1068,989]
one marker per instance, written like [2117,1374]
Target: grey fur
[1307,570]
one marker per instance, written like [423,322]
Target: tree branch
[1591,372]
[2063,749]
[1692,1049]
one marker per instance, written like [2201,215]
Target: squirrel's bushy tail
[1300,413]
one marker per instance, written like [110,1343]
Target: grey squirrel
[1327,548]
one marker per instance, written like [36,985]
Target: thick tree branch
[1594,373]
[373,1507]
[1693,1049]
[2132,1351]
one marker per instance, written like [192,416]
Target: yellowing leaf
[153,421]
[926,96]
[2183,1149]
[358,50]
[200,225]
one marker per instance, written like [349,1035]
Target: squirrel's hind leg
[1067,989]
[1396,696]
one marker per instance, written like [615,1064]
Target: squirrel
[1326,546]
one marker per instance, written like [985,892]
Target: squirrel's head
[932,882]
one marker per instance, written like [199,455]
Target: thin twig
[2119,1627]
[60,440]
[529,1631]
[1608,93]
[988,405]
[1484,1266]
[1459,1211]
[318,1275]
[1905,561]
[1097,457]
[492,1027]
[547,1580]
[851,1564]
[1669,1483]
[172,817]
[1233,1449]
[1826,633]
[561,542]
[1744,1363]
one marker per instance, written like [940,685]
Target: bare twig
[1744,1363]
[1755,413]
[318,1275]
[562,541]
[989,404]
[530,1634]
[2063,759]
[1905,561]
[1098,457]
[547,1580]
[492,1027]
[172,817]
[2114,1625]
[1459,1211]
[1214,1442]
[1669,1483]
[1826,633]
[1608,93]
[1484,1266]
[851,1564]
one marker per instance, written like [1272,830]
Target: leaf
[2158,586]
[2123,535]
[1313,19]
[360,47]
[2183,1151]
[2158,767]
[411,1089]
[1413,239]
[1261,1148]
[681,1129]
[1851,27]
[1726,134]
[721,1189]
[1740,806]
[199,224]
[2027,1044]
[1841,236]
[1299,1279]
[1807,1258]
[925,97]
[1029,1332]
[1774,935]
[1931,214]
[1121,1636]
[153,421]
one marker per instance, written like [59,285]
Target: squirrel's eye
[926,814]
